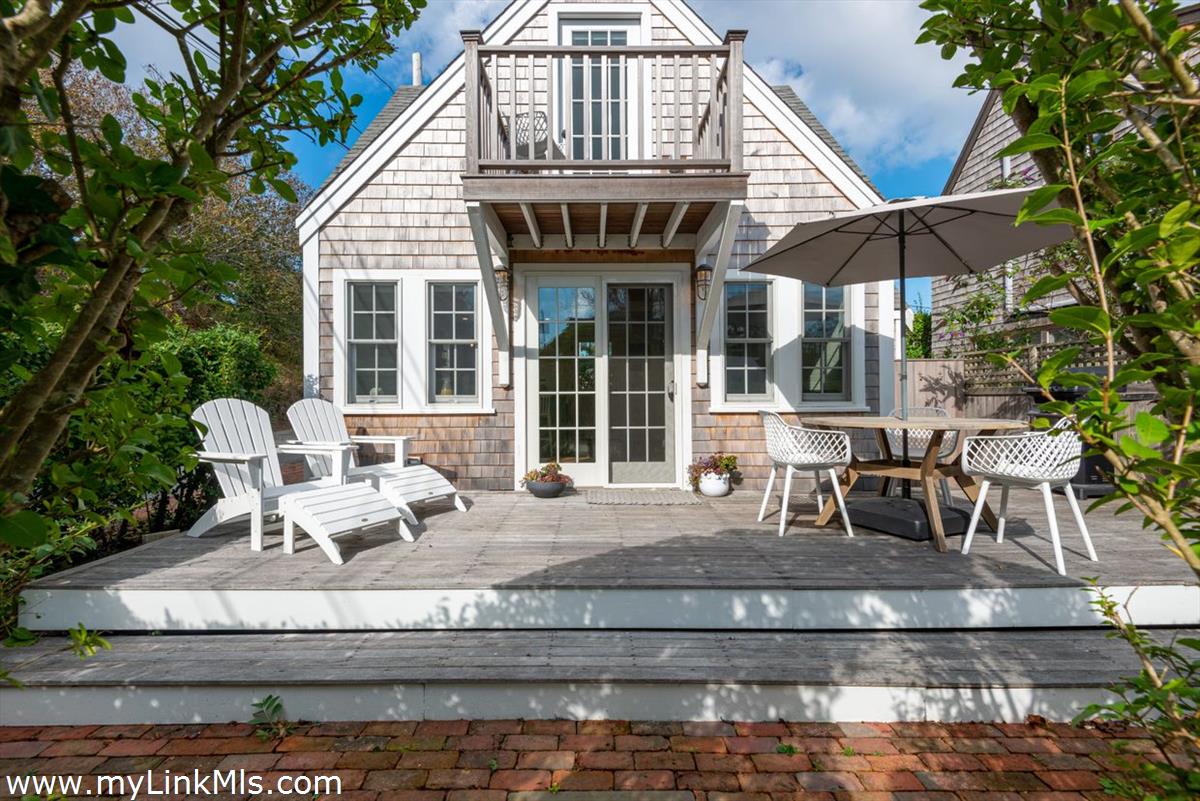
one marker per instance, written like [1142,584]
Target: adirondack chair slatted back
[317,420]
[237,426]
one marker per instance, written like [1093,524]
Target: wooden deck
[512,561]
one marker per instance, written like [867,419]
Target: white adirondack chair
[237,441]
[317,421]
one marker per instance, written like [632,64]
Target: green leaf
[1173,219]
[1058,216]
[1029,143]
[24,529]
[1082,318]
[284,189]
[1086,84]
[1150,429]
[1137,450]
[1038,200]
[1052,366]
[111,130]
[1044,286]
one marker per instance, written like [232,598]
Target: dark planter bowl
[545,489]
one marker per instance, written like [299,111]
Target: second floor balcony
[603,122]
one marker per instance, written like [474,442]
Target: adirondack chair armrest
[399,443]
[315,448]
[219,457]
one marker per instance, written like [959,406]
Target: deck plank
[949,659]
[512,541]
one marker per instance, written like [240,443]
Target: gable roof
[353,172]
[792,100]
[969,145]
[402,99]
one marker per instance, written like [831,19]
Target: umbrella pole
[905,484]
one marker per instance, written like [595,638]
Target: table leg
[885,452]
[971,490]
[847,481]
[929,488]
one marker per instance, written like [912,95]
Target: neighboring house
[537,256]
[978,169]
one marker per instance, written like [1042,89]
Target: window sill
[782,408]
[447,409]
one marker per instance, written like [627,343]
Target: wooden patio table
[922,468]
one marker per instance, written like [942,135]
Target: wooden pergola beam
[531,222]
[673,222]
[566,217]
[491,293]
[716,289]
[639,216]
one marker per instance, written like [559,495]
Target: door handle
[671,389]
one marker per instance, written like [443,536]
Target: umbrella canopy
[947,235]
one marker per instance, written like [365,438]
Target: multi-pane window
[824,345]
[372,343]
[597,103]
[566,374]
[747,340]
[453,343]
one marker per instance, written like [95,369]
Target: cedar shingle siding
[411,215]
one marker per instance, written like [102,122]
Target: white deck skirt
[79,704]
[116,609]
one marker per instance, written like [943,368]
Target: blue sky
[888,101]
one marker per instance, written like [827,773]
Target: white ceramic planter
[713,485]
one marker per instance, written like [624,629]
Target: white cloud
[854,62]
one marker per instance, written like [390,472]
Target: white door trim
[678,276]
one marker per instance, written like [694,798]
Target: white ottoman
[324,513]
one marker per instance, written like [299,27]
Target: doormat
[633,497]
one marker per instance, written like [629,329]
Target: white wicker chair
[918,441]
[1042,459]
[796,448]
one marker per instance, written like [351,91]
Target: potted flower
[710,475]
[547,481]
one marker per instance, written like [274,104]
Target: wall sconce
[503,281]
[703,278]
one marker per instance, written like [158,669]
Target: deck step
[943,675]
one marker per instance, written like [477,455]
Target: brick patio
[498,760]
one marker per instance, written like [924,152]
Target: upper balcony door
[597,115]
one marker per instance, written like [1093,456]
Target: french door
[601,380]
[600,93]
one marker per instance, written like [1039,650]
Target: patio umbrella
[910,238]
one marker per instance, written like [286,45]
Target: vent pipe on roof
[416,64]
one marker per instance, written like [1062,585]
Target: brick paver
[501,760]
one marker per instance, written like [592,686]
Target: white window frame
[769,394]
[348,299]
[635,16]
[412,292]
[787,294]
[431,343]
[848,358]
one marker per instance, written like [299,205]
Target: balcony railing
[603,109]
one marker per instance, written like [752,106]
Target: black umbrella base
[905,517]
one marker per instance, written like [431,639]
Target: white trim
[786,329]
[311,279]
[412,345]
[886,297]
[376,155]
[861,609]
[678,275]
[544,700]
